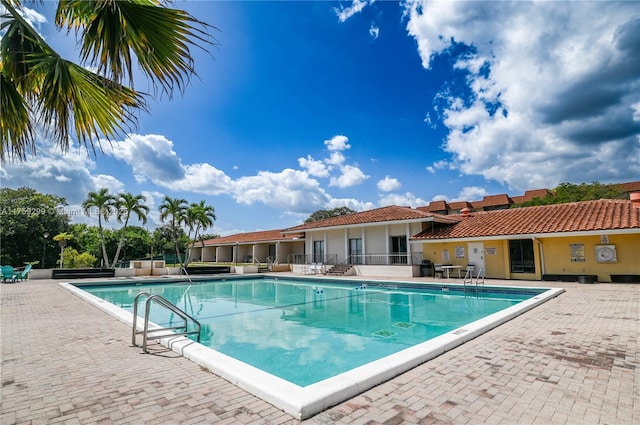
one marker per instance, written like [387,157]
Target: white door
[476,256]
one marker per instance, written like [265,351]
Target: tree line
[31,221]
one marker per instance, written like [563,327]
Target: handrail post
[135,317]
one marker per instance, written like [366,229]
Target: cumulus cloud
[314,167]
[150,156]
[551,88]
[354,204]
[388,184]
[68,175]
[155,164]
[350,176]
[291,190]
[338,143]
[403,199]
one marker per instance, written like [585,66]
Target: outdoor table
[448,268]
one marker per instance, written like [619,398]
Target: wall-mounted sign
[577,253]
[491,251]
[459,252]
[604,239]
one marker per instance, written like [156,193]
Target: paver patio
[573,360]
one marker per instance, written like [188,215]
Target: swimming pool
[306,344]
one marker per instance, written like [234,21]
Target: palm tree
[198,217]
[94,99]
[126,203]
[173,209]
[104,202]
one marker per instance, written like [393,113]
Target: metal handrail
[185,273]
[166,304]
[468,277]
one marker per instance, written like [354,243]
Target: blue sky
[307,105]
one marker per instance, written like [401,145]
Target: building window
[521,256]
[399,250]
[318,251]
[355,251]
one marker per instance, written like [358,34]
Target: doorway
[476,256]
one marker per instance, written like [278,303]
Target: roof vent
[465,212]
[635,199]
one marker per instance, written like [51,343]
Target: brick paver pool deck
[573,360]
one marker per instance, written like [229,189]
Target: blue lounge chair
[23,274]
[8,274]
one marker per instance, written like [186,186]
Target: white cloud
[336,158]
[353,204]
[551,88]
[110,182]
[150,156]
[471,193]
[350,176]
[291,190]
[338,143]
[374,31]
[345,13]
[403,199]
[68,175]
[314,167]
[388,184]
[438,165]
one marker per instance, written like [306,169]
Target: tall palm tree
[198,217]
[126,203]
[94,99]
[173,209]
[104,202]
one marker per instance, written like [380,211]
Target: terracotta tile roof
[262,236]
[495,200]
[437,206]
[518,199]
[630,187]
[537,193]
[460,205]
[603,214]
[378,215]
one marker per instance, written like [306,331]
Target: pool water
[307,332]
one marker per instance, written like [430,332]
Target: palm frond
[159,37]
[16,132]
[72,95]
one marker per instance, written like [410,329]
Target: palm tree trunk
[195,237]
[120,243]
[105,257]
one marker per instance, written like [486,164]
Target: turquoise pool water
[307,331]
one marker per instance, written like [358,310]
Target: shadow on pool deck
[572,360]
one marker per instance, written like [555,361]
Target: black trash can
[426,268]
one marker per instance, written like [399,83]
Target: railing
[468,277]
[381,259]
[328,259]
[184,269]
[163,331]
[375,259]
